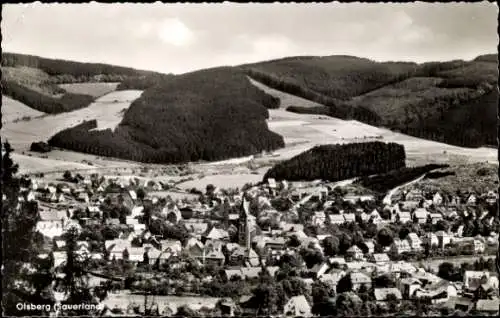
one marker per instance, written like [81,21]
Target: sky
[178,38]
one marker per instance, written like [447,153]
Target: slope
[13,110]
[211,114]
[34,80]
[424,100]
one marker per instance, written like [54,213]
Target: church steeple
[244,238]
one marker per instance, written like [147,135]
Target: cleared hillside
[13,110]
[450,102]
[212,114]
[34,80]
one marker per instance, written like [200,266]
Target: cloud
[175,32]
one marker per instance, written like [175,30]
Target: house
[332,279]
[414,241]
[349,217]
[355,252]
[320,269]
[420,215]
[397,268]
[473,279]
[194,247]
[172,212]
[460,303]
[403,217]
[437,199]
[408,286]
[213,257]
[436,217]
[52,223]
[443,239]
[471,200]
[400,246]
[431,240]
[336,218]
[488,307]
[409,205]
[319,218]
[379,258]
[337,262]
[291,227]
[375,216]
[382,294]
[276,244]
[438,292]
[217,234]
[297,307]
[173,246]
[371,246]
[414,195]
[240,256]
[358,279]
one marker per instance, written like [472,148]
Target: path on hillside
[388,198]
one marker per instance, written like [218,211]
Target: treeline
[336,108]
[384,182]
[209,115]
[144,82]
[468,121]
[63,67]
[339,162]
[44,103]
[336,77]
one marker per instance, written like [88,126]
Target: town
[271,248]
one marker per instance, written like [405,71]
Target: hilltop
[213,114]
[55,86]
[453,102]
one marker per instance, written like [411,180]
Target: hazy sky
[183,37]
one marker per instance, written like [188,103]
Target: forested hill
[340,162]
[211,114]
[35,81]
[64,71]
[453,102]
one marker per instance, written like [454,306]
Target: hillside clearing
[13,110]
[92,89]
[107,110]
[310,130]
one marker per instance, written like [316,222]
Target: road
[388,198]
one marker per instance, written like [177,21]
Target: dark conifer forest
[384,182]
[339,162]
[213,114]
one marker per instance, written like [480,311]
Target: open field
[13,110]
[286,99]
[29,164]
[92,89]
[310,130]
[222,181]
[107,110]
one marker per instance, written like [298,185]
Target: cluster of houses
[211,239]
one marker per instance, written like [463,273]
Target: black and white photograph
[250,159]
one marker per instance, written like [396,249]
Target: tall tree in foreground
[25,279]
[74,282]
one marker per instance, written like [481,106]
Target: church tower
[244,238]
